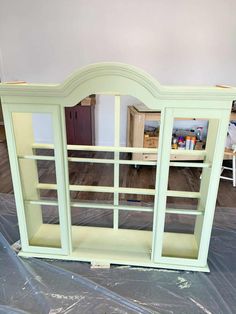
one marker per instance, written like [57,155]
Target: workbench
[138,116]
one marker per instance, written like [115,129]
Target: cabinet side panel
[215,153]
[24,139]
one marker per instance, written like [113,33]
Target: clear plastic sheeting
[51,286]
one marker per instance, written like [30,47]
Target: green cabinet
[62,240]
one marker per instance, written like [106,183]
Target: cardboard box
[150,141]
[88,101]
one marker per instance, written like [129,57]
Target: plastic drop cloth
[51,286]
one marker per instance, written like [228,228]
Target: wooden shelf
[47,235]
[180,245]
[132,246]
[93,243]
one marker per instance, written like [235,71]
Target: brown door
[80,125]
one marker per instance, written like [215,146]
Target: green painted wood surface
[131,247]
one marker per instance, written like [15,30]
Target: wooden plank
[36,157]
[42,146]
[111,206]
[183,194]
[120,149]
[184,211]
[91,160]
[190,164]
[188,152]
[67,219]
[42,202]
[102,189]
[162,183]
[111,161]
[93,205]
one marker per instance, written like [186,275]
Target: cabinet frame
[132,247]
[209,183]
[17,178]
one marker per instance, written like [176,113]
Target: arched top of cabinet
[118,79]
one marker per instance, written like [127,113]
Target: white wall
[178,42]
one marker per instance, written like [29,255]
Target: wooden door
[80,125]
[83,125]
[69,115]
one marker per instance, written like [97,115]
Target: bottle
[199,133]
[181,142]
[174,143]
[188,141]
[192,142]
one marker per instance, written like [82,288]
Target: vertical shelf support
[210,182]
[162,174]
[116,160]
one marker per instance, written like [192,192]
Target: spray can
[199,133]
[181,143]
[188,141]
[192,142]
[174,142]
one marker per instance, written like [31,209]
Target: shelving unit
[138,115]
[62,240]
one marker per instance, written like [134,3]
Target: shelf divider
[179,211]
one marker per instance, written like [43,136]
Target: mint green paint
[129,247]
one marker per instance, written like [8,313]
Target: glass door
[35,147]
[184,213]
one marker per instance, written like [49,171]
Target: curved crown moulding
[117,78]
